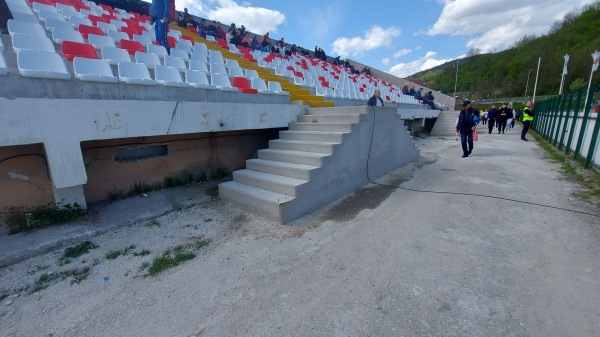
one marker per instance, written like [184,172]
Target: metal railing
[570,122]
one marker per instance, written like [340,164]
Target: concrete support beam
[69,196]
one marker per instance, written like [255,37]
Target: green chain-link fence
[570,122]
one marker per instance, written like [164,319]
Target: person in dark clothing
[376,100]
[502,117]
[160,18]
[405,89]
[492,114]
[528,114]
[428,99]
[466,126]
[212,30]
[412,91]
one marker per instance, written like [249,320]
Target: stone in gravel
[7,303]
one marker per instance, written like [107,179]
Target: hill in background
[504,74]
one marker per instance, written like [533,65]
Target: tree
[473,52]
[577,83]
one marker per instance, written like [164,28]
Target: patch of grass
[208,220]
[3,296]
[45,280]
[95,262]
[76,251]
[21,219]
[199,244]
[219,173]
[152,223]
[143,252]
[113,254]
[144,266]
[169,259]
[37,268]
[587,178]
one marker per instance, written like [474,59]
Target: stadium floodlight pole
[536,79]
[564,73]
[455,82]
[526,86]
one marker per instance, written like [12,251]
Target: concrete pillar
[67,169]
[69,196]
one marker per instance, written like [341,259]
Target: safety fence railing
[570,122]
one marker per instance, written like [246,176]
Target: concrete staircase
[321,157]
[445,125]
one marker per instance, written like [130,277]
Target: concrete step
[253,198]
[319,136]
[302,145]
[330,118]
[296,157]
[291,170]
[339,127]
[269,182]
[334,111]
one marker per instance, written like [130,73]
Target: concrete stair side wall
[445,125]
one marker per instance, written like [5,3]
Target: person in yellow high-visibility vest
[528,114]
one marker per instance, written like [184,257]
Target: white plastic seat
[86,12]
[20,7]
[118,24]
[184,44]
[198,65]
[61,8]
[114,55]
[150,60]
[260,85]
[231,63]
[117,36]
[198,79]
[276,87]
[3,66]
[1,46]
[200,46]
[144,40]
[320,91]
[169,77]
[180,53]
[25,17]
[134,73]
[236,71]
[210,38]
[32,42]
[60,34]
[76,21]
[251,73]
[199,54]
[222,82]
[99,41]
[234,49]
[175,62]
[218,68]
[42,65]
[38,6]
[150,34]
[53,23]
[19,27]
[160,51]
[215,55]
[106,26]
[93,70]
[45,14]
[174,33]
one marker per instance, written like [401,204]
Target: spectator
[212,30]
[428,99]
[185,19]
[159,14]
[376,100]
[466,126]
[419,94]
[405,89]
[220,32]
[246,40]
[265,42]
[242,30]
[412,91]
[202,28]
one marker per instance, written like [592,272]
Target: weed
[76,251]
[77,275]
[21,219]
[219,173]
[37,268]
[3,296]
[208,220]
[143,252]
[113,254]
[199,244]
[144,266]
[169,259]
[152,223]
[95,262]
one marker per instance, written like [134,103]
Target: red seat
[131,46]
[86,30]
[191,29]
[108,17]
[131,31]
[172,41]
[189,38]
[72,49]
[95,19]
[222,43]
[243,85]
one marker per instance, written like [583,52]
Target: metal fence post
[586,116]
[567,115]
[594,141]
[560,112]
[574,122]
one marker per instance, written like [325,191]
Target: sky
[399,37]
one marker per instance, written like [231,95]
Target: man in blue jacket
[376,100]
[466,126]
[160,17]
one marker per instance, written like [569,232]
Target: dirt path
[380,262]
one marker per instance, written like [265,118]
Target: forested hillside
[504,74]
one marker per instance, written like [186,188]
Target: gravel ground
[378,262]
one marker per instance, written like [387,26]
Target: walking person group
[467,121]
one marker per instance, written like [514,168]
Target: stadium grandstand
[92,107]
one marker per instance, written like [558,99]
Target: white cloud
[402,52]
[374,38]
[428,61]
[498,24]
[258,20]
[385,61]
